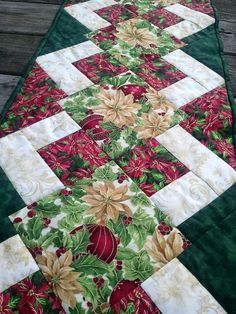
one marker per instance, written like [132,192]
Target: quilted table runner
[117,161]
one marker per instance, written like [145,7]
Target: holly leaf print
[142,225]
[140,199]
[89,265]
[125,254]
[48,209]
[65,223]
[134,188]
[138,267]
[105,174]
[35,227]
[104,292]
[46,240]
[89,290]
[80,241]
[120,229]
[113,149]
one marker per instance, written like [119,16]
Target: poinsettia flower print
[32,295]
[73,157]
[151,166]
[36,100]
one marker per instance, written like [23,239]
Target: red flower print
[29,308]
[152,166]
[136,167]
[99,66]
[160,165]
[212,123]
[107,35]
[4,300]
[55,162]
[201,6]
[141,302]
[148,189]
[115,14]
[30,292]
[158,73]
[36,101]
[224,148]
[73,157]
[162,18]
[190,124]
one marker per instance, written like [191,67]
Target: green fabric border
[30,63]
[209,216]
[10,203]
[212,260]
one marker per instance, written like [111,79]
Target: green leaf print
[142,225]
[120,229]
[140,199]
[105,174]
[89,290]
[125,254]
[80,241]
[89,265]
[35,227]
[138,267]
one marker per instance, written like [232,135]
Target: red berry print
[31,213]
[17,220]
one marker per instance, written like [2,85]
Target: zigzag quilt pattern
[118,167]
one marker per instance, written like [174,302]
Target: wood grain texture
[26,18]
[58,2]
[15,52]
[7,84]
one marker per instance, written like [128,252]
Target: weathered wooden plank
[7,84]
[26,18]
[15,52]
[39,1]
[229,41]
[231,61]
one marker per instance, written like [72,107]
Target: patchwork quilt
[118,166]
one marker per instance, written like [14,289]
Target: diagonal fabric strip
[212,258]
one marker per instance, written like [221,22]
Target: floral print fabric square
[122,112]
[37,100]
[115,14]
[210,121]
[151,166]
[74,157]
[100,67]
[162,18]
[32,295]
[104,234]
[128,40]
[157,72]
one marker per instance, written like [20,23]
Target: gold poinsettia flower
[58,272]
[129,33]
[153,125]
[106,200]
[117,107]
[158,101]
[162,250]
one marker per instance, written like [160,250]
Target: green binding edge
[29,65]
[226,72]
[42,43]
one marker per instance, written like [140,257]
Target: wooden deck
[23,24]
